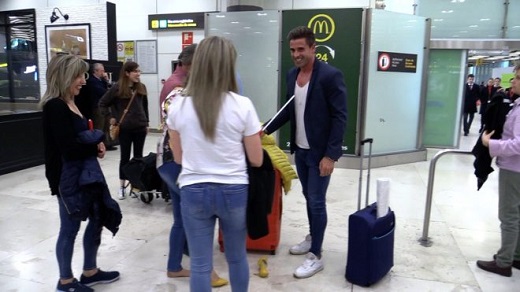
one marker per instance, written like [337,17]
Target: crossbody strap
[127,107]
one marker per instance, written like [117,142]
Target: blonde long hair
[62,70]
[212,75]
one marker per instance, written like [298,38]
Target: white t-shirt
[221,161]
[300,98]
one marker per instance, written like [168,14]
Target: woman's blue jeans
[201,205]
[169,173]
[65,246]
[314,188]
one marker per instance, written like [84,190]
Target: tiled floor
[464,227]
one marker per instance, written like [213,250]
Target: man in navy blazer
[317,116]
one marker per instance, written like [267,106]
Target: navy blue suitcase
[371,239]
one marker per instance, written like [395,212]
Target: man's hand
[326,166]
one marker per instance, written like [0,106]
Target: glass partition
[513,21]
[446,76]
[256,36]
[393,96]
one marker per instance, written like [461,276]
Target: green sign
[338,42]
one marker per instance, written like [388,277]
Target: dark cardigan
[260,201]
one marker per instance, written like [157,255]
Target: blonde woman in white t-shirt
[212,131]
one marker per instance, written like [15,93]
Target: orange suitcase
[270,241]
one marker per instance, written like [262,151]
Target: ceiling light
[447,11]
[485,19]
[473,26]
[477,57]
[495,58]
[438,19]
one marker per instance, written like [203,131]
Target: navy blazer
[325,113]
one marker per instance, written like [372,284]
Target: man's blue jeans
[169,173]
[201,205]
[65,245]
[314,188]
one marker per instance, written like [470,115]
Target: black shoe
[74,286]
[492,267]
[101,277]
[516,264]
[466,133]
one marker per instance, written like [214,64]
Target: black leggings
[126,139]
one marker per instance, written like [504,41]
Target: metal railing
[425,240]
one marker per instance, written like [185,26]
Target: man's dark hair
[471,75]
[186,55]
[302,32]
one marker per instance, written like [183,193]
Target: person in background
[97,86]
[62,122]
[212,131]
[177,233]
[471,95]
[507,153]
[509,91]
[134,128]
[486,93]
[178,78]
[317,116]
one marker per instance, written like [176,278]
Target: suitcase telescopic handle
[367,140]
[361,156]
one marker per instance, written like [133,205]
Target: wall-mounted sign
[396,62]
[125,51]
[176,21]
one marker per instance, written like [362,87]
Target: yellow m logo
[319,26]
[323,27]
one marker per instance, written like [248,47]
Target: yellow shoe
[263,272]
[219,282]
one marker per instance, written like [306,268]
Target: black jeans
[126,139]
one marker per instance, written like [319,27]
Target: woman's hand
[486,136]
[101,150]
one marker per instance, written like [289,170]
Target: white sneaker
[310,266]
[121,193]
[302,247]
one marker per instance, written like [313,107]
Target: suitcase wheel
[146,197]
[273,252]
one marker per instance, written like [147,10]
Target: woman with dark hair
[129,95]
[70,148]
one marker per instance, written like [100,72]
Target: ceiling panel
[464,18]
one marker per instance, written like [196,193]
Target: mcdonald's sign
[323,27]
